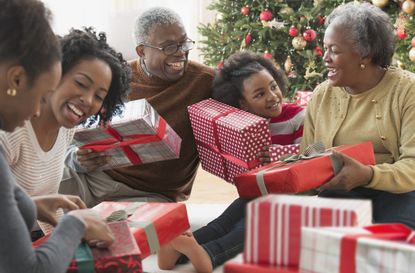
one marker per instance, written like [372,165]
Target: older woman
[30,68]
[366,100]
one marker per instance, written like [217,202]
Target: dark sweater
[18,215]
[172,178]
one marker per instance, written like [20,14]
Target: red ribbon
[124,142]
[391,232]
[217,148]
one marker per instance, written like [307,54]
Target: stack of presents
[285,232]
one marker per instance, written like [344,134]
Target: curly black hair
[26,36]
[84,44]
[228,82]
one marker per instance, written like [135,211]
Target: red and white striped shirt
[287,128]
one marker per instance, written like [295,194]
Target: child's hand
[264,155]
[91,160]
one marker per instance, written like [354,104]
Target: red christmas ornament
[309,35]
[321,20]
[248,39]
[401,34]
[268,55]
[318,51]
[293,31]
[266,15]
[245,10]
[413,41]
[220,64]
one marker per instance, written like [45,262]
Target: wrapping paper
[152,224]
[228,139]
[299,176]
[388,248]
[273,224]
[303,97]
[140,135]
[278,151]
[236,265]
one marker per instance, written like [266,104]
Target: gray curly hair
[370,30]
[157,16]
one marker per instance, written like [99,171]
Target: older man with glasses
[170,82]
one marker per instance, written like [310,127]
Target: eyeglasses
[173,48]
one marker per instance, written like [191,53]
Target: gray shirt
[17,217]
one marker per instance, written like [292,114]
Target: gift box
[388,248]
[236,265]
[140,135]
[152,224]
[228,139]
[123,256]
[303,97]
[273,224]
[300,173]
[276,152]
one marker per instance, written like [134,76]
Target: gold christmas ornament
[288,64]
[299,43]
[408,7]
[286,10]
[380,3]
[412,54]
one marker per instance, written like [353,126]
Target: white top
[36,171]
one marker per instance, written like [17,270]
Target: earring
[362,66]
[11,92]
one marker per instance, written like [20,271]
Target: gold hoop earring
[11,92]
[362,66]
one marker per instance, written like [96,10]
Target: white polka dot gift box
[300,173]
[228,139]
[274,222]
[138,136]
[277,151]
[386,248]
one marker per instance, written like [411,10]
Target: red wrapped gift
[301,175]
[152,224]
[123,256]
[228,139]
[277,151]
[303,97]
[273,224]
[236,265]
[139,136]
[387,248]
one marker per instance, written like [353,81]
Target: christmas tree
[291,33]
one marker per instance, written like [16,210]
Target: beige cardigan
[393,100]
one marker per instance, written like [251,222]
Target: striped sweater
[36,171]
[287,128]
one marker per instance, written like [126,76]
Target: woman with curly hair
[94,77]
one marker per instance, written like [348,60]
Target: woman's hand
[91,160]
[353,174]
[47,206]
[97,232]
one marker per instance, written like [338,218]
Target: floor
[210,196]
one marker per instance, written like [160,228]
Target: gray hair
[157,16]
[370,30]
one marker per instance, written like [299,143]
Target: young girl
[252,83]
[94,77]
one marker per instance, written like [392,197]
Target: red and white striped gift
[386,248]
[273,224]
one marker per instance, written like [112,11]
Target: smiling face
[261,95]
[342,60]
[165,67]
[81,92]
